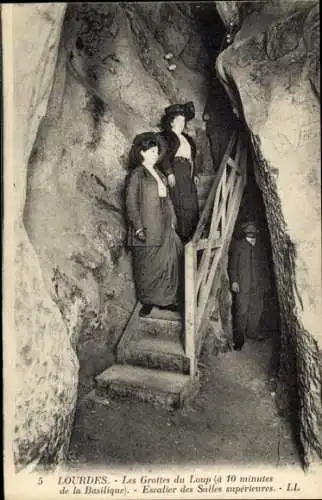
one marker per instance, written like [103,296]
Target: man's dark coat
[249,268]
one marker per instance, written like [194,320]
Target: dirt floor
[233,420]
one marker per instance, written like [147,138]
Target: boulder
[111,83]
[37,346]
[271,71]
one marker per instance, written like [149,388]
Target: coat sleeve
[194,169]
[193,154]
[173,213]
[164,162]
[266,282]
[234,262]
[132,201]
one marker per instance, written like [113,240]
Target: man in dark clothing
[250,281]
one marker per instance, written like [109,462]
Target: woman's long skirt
[184,197]
[157,271]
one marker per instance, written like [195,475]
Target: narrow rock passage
[233,420]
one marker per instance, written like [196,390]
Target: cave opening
[218,113]
[212,30]
[221,122]
[253,208]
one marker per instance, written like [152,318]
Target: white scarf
[184,148]
[162,188]
[252,241]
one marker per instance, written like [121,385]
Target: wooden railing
[210,242]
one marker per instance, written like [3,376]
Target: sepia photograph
[162,250]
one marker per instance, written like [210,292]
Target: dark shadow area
[221,122]
[252,208]
[212,30]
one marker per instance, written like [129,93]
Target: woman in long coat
[156,248]
[178,164]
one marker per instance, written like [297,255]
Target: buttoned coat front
[249,267]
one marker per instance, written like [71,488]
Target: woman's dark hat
[145,140]
[187,110]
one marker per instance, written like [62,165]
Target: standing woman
[178,164]
[156,248]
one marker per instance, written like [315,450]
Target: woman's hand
[141,235]
[196,180]
[235,287]
[171,180]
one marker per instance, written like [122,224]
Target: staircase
[157,356]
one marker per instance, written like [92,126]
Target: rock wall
[111,82]
[272,69]
[44,363]
[79,99]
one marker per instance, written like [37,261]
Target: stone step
[204,186]
[158,324]
[201,204]
[206,178]
[203,191]
[158,354]
[160,328]
[141,384]
[157,313]
[149,327]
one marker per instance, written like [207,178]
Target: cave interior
[220,120]
[214,35]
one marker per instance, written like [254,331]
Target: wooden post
[238,151]
[244,167]
[224,199]
[190,306]
[198,282]
[211,201]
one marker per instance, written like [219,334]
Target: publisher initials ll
[292,487]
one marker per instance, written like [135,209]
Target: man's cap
[249,223]
[187,110]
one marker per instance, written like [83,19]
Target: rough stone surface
[229,12]
[219,427]
[46,366]
[274,64]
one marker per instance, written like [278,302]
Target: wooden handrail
[208,283]
[219,214]
[204,216]
[190,306]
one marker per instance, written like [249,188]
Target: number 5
[40,481]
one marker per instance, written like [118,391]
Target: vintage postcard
[162,250]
